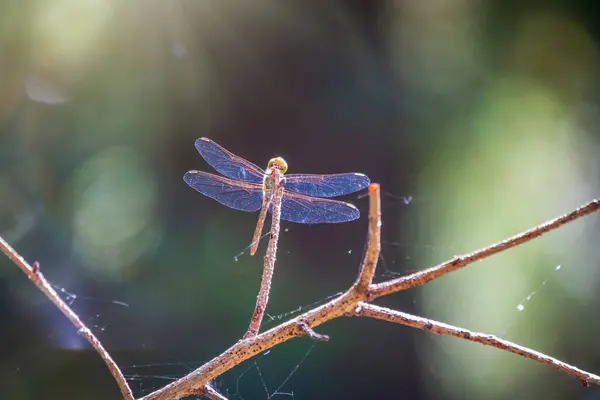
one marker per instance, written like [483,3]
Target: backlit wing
[311,210]
[245,196]
[326,185]
[228,163]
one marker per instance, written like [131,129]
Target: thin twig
[345,305]
[424,276]
[36,276]
[212,393]
[386,314]
[365,277]
[310,332]
[262,299]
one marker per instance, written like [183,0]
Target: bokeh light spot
[114,210]
[66,30]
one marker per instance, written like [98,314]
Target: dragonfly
[247,187]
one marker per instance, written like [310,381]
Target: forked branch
[354,302]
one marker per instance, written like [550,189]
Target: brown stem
[365,277]
[269,261]
[36,276]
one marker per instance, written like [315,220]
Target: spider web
[247,380]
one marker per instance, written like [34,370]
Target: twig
[36,276]
[365,277]
[212,393]
[262,299]
[385,314]
[347,303]
[422,277]
[319,337]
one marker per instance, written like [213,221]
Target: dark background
[486,113]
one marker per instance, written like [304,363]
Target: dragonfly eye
[278,163]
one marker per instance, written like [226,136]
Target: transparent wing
[228,163]
[326,185]
[311,210]
[245,196]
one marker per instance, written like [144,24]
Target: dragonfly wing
[228,163]
[245,196]
[311,210]
[326,185]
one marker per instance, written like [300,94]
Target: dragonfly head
[278,163]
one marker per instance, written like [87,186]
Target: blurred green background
[485,113]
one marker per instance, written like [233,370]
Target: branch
[422,277]
[346,305]
[36,276]
[350,303]
[385,314]
[367,272]
[269,261]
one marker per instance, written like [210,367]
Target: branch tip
[373,187]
